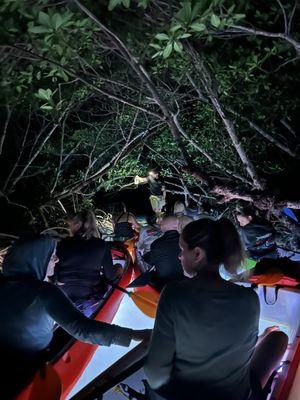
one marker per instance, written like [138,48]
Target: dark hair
[89,224]
[219,239]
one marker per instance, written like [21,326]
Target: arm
[62,310]
[139,179]
[164,193]
[159,362]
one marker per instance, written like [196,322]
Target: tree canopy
[94,92]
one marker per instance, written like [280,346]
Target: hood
[29,258]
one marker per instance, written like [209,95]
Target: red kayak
[68,356]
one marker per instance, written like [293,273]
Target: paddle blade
[146,302]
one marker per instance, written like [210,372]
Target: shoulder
[247,294]
[157,242]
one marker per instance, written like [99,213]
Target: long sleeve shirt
[28,311]
[203,340]
[80,264]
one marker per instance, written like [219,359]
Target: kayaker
[205,333]
[126,226]
[164,253]
[183,221]
[29,306]
[83,260]
[257,234]
[157,190]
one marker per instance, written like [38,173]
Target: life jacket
[276,273]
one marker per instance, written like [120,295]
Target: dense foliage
[94,92]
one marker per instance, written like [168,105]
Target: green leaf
[159,53]
[155,46]
[44,94]
[197,27]
[162,36]
[178,47]
[126,3]
[56,21]
[44,18]
[238,17]
[38,29]
[196,9]
[186,12]
[113,4]
[175,28]
[143,4]
[184,36]
[215,20]
[168,50]
[46,107]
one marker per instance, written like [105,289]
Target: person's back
[213,351]
[259,238]
[165,250]
[79,266]
[258,234]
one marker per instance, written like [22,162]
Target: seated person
[164,252]
[29,306]
[83,259]
[126,227]
[183,221]
[193,210]
[147,236]
[204,344]
[257,234]
[179,208]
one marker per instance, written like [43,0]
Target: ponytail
[219,239]
[233,251]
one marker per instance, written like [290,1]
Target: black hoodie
[29,305]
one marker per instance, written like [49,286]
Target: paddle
[142,280]
[145,301]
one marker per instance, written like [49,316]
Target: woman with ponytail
[205,338]
[83,258]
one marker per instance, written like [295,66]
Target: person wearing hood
[29,306]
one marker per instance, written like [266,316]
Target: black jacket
[79,266]
[259,239]
[164,254]
[28,308]
[29,305]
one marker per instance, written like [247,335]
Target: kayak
[69,357]
[285,314]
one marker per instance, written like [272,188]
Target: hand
[136,180]
[270,329]
[141,335]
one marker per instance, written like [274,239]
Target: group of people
[205,342]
